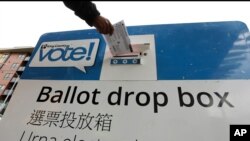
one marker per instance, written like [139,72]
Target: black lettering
[44,92]
[127,94]
[57,98]
[30,135]
[95,92]
[73,95]
[210,98]
[43,137]
[53,138]
[138,99]
[156,102]
[118,94]
[223,99]
[79,97]
[34,137]
[191,103]
[67,94]
[22,136]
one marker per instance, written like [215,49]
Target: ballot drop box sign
[192,85]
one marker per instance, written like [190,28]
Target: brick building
[12,64]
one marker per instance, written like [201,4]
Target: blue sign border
[190,51]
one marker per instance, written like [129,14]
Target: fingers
[106,27]
[109,29]
[103,25]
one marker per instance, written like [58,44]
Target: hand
[103,25]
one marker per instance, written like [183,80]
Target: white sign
[191,110]
[76,53]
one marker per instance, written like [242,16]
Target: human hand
[103,25]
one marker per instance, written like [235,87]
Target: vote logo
[72,53]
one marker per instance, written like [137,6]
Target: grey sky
[22,23]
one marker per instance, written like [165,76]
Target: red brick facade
[9,67]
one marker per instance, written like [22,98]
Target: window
[14,66]
[21,56]
[3,57]
[7,76]
[1,87]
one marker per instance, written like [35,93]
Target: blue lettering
[78,53]
[67,51]
[41,57]
[90,51]
[65,54]
[60,51]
